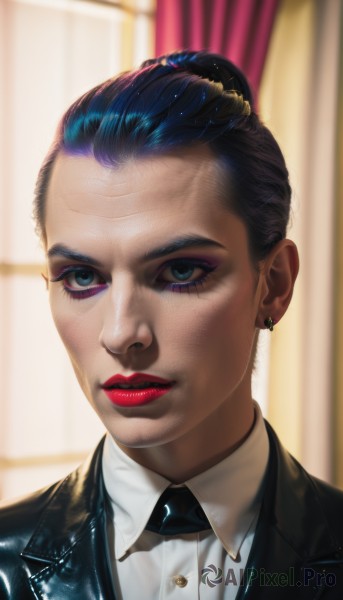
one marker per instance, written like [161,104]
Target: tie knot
[176,512]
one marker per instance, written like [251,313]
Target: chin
[141,433]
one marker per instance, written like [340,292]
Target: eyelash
[188,286]
[172,286]
[79,294]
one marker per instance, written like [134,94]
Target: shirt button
[180,581]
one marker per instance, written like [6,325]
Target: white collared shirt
[207,565]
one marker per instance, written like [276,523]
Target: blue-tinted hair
[177,101]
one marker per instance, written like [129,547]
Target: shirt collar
[133,491]
[229,492]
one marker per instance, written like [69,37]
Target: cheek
[76,333]
[217,330]
[80,347]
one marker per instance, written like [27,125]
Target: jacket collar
[293,502]
[75,503]
[293,539]
[67,549]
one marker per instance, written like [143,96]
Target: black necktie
[177,511]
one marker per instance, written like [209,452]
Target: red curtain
[238,29]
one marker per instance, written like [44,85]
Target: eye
[80,282]
[83,278]
[181,271]
[185,274]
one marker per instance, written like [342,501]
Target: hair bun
[208,66]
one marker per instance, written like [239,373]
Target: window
[50,52]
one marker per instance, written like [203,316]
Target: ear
[279,272]
[45,277]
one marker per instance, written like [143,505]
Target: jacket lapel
[68,551]
[67,555]
[294,548]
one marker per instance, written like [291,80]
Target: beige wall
[299,102]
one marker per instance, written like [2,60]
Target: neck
[199,449]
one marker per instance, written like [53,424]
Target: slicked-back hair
[178,101]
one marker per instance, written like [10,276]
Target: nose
[126,324]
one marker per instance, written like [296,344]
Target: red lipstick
[136,390]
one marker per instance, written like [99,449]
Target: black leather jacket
[53,543]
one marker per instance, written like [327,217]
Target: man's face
[167,290]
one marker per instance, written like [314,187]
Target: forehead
[158,196]
[169,173]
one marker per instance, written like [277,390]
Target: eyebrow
[62,250]
[180,243]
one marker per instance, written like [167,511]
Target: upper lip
[134,379]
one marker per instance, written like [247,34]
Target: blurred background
[51,51]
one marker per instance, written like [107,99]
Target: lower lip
[138,397]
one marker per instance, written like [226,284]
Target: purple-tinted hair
[174,101]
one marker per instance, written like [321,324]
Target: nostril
[137,345]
